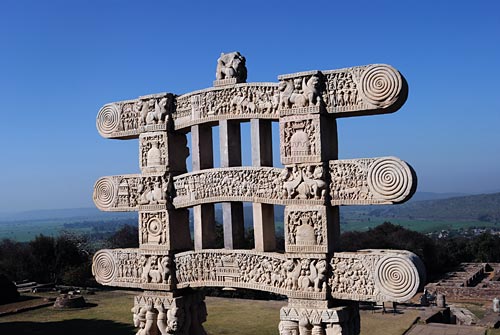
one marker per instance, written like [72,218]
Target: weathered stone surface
[371,181]
[376,275]
[161,152]
[366,181]
[271,272]
[302,319]
[164,230]
[166,313]
[132,192]
[361,90]
[310,138]
[312,186]
[133,268]
[127,119]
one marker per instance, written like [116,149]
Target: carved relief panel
[153,152]
[307,139]
[127,119]
[306,229]
[303,276]
[301,93]
[164,230]
[132,192]
[371,181]
[160,152]
[133,268]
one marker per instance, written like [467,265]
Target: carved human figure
[175,320]
[288,328]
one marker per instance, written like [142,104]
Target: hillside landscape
[426,212]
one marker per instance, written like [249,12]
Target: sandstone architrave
[323,285]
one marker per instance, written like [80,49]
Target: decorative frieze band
[133,268]
[132,192]
[128,119]
[360,90]
[303,276]
[240,101]
[370,181]
[376,275]
[367,275]
[366,181]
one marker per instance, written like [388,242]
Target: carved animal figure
[285,88]
[231,65]
[292,275]
[320,280]
[156,195]
[299,93]
[153,271]
[164,268]
[159,112]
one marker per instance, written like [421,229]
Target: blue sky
[60,61]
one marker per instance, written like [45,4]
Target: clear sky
[60,61]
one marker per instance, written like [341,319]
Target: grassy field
[110,314]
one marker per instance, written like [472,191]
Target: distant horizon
[61,62]
[450,194]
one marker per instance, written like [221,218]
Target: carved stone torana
[382,180]
[242,101]
[300,276]
[361,90]
[291,185]
[376,275]
[323,286]
[369,275]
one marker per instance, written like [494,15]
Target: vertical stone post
[232,212]
[263,214]
[203,215]
[162,228]
[308,142]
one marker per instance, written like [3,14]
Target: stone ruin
[323,286]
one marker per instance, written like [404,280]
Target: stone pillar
[303,317]
[203,215]
[263,214]
[162,229]
[232,212]
[307,143]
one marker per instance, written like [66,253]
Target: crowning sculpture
[323,286]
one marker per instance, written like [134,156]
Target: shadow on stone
[74,327]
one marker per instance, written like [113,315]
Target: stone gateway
[323,285]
